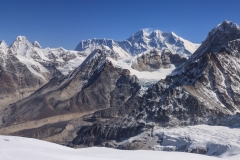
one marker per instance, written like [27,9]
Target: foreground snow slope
[12,148]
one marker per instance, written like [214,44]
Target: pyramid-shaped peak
[36,44]
[232,24]
[226,27]
[20,42]
[3,44]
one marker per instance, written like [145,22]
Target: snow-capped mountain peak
[143,41]
[21,38]
[225,27]
[3,45]
[140,34]
[32,54]
[218,37]
[20,45]
[226,24]
[36,44]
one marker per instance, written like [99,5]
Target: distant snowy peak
[20,45]
[36,44]
[139,35]
[90,45]
[3,45]
[95,42]
[162,40]
[32,54]
[143,41]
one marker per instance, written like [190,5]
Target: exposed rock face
[18,81]
[25,67]
[155,60]
[20,77]
[74,93]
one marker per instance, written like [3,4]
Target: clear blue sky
[55,23]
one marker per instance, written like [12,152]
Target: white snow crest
[144,40]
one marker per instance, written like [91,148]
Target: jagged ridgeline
[101,103]
[27,66]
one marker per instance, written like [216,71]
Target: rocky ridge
[154,60]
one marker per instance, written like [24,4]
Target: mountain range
[123,94]
[143,41]
[27,66]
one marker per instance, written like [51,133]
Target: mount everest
[143,41]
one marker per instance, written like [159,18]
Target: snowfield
[19,148]
[155,75]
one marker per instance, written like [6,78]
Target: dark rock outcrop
[17,81]
[155,60]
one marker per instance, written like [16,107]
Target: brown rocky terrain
[17,81]
[155,60]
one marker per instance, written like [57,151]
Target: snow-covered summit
[143,41]
[226,27]
[3,45]
[229,23]
[20,45]
[163,40]
[140,34]
[36,44]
